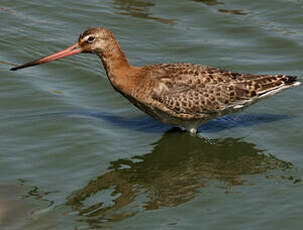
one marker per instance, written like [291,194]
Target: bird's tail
[276,84]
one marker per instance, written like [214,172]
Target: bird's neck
[118,70]
[113,57]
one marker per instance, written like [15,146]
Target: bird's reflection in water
[177,169]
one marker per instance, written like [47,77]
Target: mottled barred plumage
[179,94]
[193,94]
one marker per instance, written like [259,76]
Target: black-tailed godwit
[178,94]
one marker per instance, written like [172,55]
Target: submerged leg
[193,130]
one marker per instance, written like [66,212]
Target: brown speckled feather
[179,94]
[194,91]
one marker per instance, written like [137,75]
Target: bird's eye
[90,39]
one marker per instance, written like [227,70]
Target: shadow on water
[149,125]
[176,170]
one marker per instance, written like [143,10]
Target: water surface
[75,154]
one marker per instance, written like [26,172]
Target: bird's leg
[193,131]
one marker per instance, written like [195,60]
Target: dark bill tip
[72,50]
[36,62]
[14,69]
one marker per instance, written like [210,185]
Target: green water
[74,154]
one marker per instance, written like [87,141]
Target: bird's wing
[196,90]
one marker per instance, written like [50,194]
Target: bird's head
[94,40]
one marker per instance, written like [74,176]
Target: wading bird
[179,94]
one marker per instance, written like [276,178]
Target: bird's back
[190,91]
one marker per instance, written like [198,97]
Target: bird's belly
[188,124]
[166,118]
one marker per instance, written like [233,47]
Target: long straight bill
[72,50]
